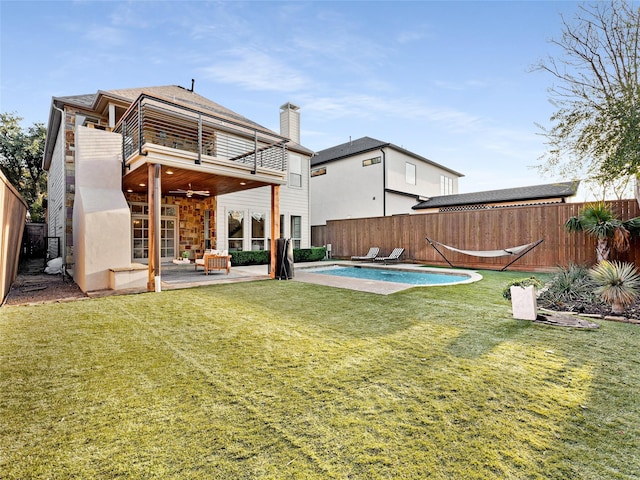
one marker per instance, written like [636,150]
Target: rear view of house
[138,176]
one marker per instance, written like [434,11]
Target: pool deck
[174,277]
[373,286]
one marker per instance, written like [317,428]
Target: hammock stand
[520,251]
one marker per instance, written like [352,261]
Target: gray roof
[551,190]
[363,145]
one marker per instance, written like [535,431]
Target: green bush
[522,282]
[262,257]
[250,257]
[312,254]
[570,285]
[618,283]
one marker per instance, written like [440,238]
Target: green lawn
[279,379]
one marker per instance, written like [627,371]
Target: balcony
[207,150]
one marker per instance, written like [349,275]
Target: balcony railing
[155,121]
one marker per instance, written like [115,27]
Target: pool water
[385,275]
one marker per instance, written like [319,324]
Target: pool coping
[379,287]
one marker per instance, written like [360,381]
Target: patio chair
[214,260]
[373,253]
[392,257]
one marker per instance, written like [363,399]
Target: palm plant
[599,221]
[618,284]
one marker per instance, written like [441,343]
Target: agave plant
[618,284]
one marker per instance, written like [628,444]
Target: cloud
[410,36]
[407,109]
[104,36]
[256,70]
[462,85]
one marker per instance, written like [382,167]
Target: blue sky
[451,81]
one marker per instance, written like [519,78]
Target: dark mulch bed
[603,310]
[42,288]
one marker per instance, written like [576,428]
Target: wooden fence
[13,211]
[491,229]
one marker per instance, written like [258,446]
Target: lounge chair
[373,253]
[214,260]
[392,257]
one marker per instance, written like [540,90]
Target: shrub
[569,285]
[312,254]
[618,284]
[250,257]
[262,257]
[523,282]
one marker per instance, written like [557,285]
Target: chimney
[290,122]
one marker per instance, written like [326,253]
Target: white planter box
[524,302]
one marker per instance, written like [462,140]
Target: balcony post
[124,150]
[255,152]
[140,132]
[199,160]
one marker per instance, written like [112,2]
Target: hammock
[519,251]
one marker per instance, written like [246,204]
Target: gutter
[55,120]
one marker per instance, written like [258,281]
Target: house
[371,178]
[138,176]
[507,197]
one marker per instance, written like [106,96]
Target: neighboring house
[508,197]
[370,178]
[140,175]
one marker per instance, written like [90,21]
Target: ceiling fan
[190,193]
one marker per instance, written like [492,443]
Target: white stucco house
[371,178]
[138,176]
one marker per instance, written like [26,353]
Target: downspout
[384,182]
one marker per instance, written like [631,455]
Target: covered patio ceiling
[179,178]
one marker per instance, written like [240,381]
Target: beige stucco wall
[101,217]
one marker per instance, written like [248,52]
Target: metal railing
[151,120]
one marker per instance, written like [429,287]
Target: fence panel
[490,229]
[13,211]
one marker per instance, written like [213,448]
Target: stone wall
[191,221]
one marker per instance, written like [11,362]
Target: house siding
[351,190]
[294,201]
[348,189]
[427,177]
[56,180]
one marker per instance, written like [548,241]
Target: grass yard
[280,379]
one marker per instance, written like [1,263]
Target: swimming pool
[391,275]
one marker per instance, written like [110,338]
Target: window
[410,173]
[257,231]
[140,231]
[316,172]
[295,171]
[371,161]
[446,185]
[281,226]
[235,224]
[296,230]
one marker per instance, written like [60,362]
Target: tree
[21,161]
[600,222]
[595,130]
